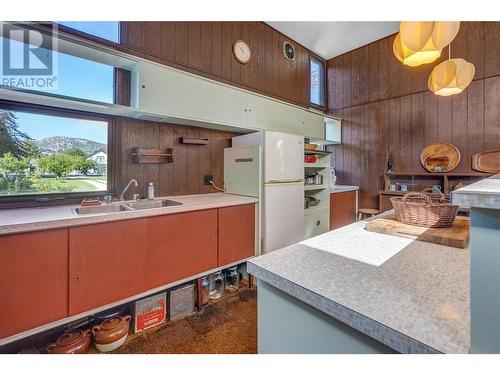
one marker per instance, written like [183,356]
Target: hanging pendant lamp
[451,77]
[420,43]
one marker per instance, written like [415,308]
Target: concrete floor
[227,326]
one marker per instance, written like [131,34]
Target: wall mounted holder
[193,141]
[152,155]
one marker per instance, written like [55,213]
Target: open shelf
[315,187]
[315,165]
[317,152]
[314,209]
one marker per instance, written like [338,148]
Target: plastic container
[151,191]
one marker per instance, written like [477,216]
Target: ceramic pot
[74,342]
[112,333]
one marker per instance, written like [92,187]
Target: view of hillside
[53,145]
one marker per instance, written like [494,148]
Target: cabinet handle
[318,222]
[76,278]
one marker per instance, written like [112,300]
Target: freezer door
[283,157]
[283,215]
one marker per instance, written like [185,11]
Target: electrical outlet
[207,179]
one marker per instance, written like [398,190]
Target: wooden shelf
[389,192]
[315,165]
[314,209]
[316,152]
[435,174]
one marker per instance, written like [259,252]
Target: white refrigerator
[281,182]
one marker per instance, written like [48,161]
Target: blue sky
[77,78]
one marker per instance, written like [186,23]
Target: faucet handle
[136,196]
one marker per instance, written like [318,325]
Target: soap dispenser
[151,191]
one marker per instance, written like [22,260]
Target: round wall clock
[242,51]
[289,51]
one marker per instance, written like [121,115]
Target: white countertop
[40,218]
[482,194]
[342,188]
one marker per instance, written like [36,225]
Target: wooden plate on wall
[487,161]
[439,150]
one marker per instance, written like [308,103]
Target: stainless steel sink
[129,206]
[105,209]
[143,205]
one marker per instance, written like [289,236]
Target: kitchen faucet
[126,187]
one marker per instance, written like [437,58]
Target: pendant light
[420,43]
[451,77]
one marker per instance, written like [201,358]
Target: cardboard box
[150,312]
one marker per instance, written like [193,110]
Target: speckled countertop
[484,193]
[341,188]
[416,301]
[41,218]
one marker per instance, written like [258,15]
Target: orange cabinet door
[180,245]
[236,233]
[106,263]
[342,209]
[33,280]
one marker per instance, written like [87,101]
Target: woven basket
[423,210]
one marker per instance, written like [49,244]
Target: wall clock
[242,51]
[289,51]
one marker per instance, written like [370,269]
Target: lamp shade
[451,77]
[420,43]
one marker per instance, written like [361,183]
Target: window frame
[313,56]
[81,34]
[33,200]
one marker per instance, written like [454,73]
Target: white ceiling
[330,39]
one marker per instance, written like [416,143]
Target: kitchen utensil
[309,180]
[456,236]
[422,210]
[111,334]
[232,279]
[487,161]
[405,187]
[393,187]
[437,164]
[181,300]
[435,154]
[333,177]
[74,342]
[217,285]
[313,201]
[310,146]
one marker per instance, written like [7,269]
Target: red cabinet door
[342,209]
[33,280]
[107,262]
[236,233]
[180,245]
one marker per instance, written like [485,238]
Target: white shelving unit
[317,218]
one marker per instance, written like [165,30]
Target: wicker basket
[423,210]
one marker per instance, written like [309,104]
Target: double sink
[126,206]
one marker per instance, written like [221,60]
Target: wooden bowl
[310,146]
[439,151]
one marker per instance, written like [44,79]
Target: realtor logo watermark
[29,58]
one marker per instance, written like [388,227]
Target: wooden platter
[487,161]
[455,236]
[435,152]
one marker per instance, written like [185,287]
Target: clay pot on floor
[112,333]
[74,342]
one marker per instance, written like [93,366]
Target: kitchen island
[353,291]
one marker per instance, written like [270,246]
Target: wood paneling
[191,162]
[205,48]
[386,107]
[33,280]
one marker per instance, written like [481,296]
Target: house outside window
[317,82]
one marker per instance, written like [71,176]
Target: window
[109,30]
[317,82]
[42,153]
[71,76]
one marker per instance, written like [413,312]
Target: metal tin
[181,300]
[150,312]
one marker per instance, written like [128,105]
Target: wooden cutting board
[487,161]
[455,236]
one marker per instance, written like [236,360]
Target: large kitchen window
[109,30]
[317,82]
[45,153]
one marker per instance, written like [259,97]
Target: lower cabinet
[316,223]
[180,245]
[33,280]
[107,262]
[236,233]
[342,209]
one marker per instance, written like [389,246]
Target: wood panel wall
[191,162]
[205,48]
[386,107]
